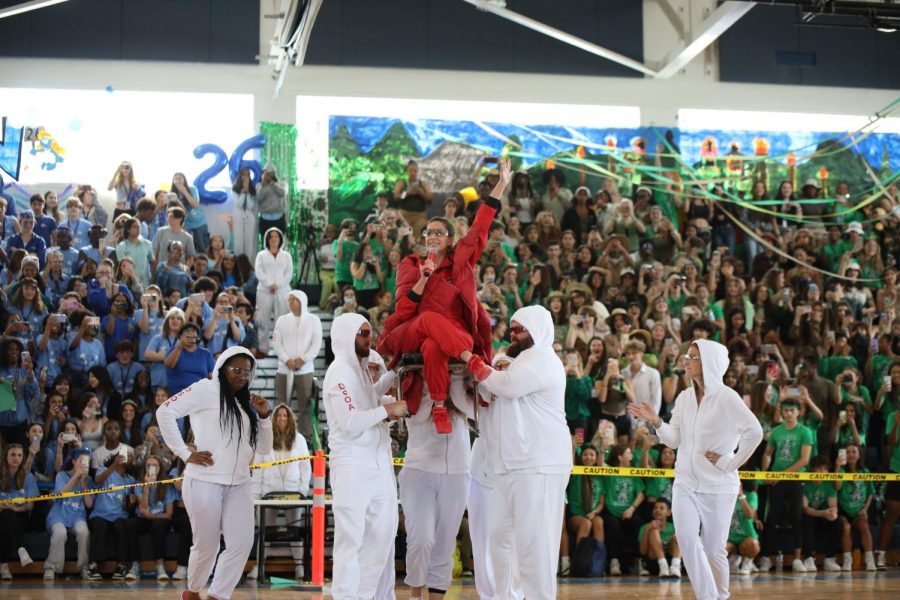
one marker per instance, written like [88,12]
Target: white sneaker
[614,567]
[180,573]
[870,562]
[675,568]
[4,571]
[161,574]
[880,559]
[746,567]
[810,565]
[134,572]
[49,574]
[831,565]
[734,563]
[251,574]
[663,568]
[753,567]
[565,566]
[24,557]
[299,573]
[847,564]
[765,564]
[642,570]
[797,566]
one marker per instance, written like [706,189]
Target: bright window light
[745,120]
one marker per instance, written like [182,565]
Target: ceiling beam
[18,9]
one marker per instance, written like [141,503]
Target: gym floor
[856,586]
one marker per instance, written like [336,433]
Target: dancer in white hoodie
[297,340]
[532,456]
[229,424]
[715,433]
[362,473]
[274,269]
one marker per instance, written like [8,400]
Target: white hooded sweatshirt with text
[200,402]
[721,422]
[357,432]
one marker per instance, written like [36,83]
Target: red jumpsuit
[447,318]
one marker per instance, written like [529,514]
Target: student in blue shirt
[52,347]
[15,482]
[123,371]
[162,344]
[85,350]
[27,239]
[69,515]
[76,223]
[44,226]
[97,250]
[65,238]
[29,305]
[149,318]
[188,362]
[224,330]
[119,324]
[110,514]
[196,311]
[19,371]
[9,226]
[155,507]
[55,281]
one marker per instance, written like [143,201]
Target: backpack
[589,559]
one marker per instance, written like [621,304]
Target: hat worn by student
[854,227]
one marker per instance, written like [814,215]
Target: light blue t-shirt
[157,368]
[67,511]
[221,340]
[86,355]
[110,506]
[29,488]
[157,507]
[154,326]
[56,349]
[123,376]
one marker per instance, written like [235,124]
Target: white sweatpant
[479,531]
[246,233]
[520,526]
[216,509]
[701,526]
[365,525]
[433,506]
[388,581]
[56,557]
[269,307]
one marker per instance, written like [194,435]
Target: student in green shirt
[822,526]
[892,491]
[579,386]
[661,487]
[622,498]
[845,430]
[847,388]
[585,499]
[854,498]
[743,538]
[788,449]
[657,537]
[344,248]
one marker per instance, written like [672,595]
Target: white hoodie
[721,423]
[357,432]
[429,451]
[297,337]
[529,430]
[274,269]
[200,401]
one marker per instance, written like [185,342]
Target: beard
[519,346]
[362,348]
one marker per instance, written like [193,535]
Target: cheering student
[229,425]
[714,433]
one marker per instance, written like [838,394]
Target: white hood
[228,353]
[539,323]
[297,336]
[715,361]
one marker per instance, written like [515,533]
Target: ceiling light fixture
[18,9]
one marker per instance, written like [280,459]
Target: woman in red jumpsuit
[438,312]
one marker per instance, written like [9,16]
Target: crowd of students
[99,329]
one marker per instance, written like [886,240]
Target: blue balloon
[236,162]
[219,162]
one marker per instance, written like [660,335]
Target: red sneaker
[442,422]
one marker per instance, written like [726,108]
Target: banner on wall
[367,155]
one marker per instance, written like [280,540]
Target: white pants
[701,526]
[269,307]
[525,524]
[56,557]
[479,529]
[216,509]
[433,506]
[365,524]
[388,581]
[246,233]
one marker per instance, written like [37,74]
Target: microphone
[427,272]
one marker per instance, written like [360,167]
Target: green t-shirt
[342,266]
[845,437]
[742,527]
[621,492]
[666,535]
[637,454]
[831,366]
[895,454]
[576,498]
[787,444]
[853,495]
[834,252]
[817,494]
[658,487]
[809,420]
[578,397]
[863,392]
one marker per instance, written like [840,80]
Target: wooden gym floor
[856,586]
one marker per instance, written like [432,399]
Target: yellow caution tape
[576,470]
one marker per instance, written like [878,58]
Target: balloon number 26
[235,164]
